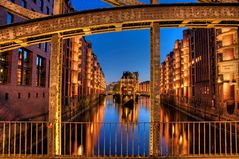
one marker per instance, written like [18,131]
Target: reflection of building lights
[1,70]
[80,150]
[173,129]
[219,81]
[91,128]
[180,139]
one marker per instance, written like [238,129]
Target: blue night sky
[127,50]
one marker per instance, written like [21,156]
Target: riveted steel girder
[20,11]
[118,3]
[55,95]
[116,19]
[154,89]
[55,89]
[218,1]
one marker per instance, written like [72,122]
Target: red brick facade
[24,76]
[25,101]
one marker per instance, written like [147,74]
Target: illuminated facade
[162,79]
[24,72]
[227,67]
[129,83]
[91,79]
[205,70]
[178,69]
[202,62]
[185,70]
[144,88]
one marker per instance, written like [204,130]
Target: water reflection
[113,129]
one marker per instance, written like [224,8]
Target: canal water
[119,130]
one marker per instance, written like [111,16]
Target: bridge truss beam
[20,11]
[55,88]
[118,3]
[55,95]
[116,19]
[155,89]
[219,1]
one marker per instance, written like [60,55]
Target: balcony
[220,34]
[220,47]
[230,66]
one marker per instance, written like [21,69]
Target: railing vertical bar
[64,151]
[144,141]
[138,139]
[110,141]
[42,137]
[31,139]
[115,139]
[188,139]
[36,138]
[193,138]
[14,138]
[236,136]
[98,126]
[76,137]
[183,130]
[230,138]
[220,138]
[25,138]
[4,138]
[9,139]
[81,135]
[127,140]
[20,139]
[210,140]
[104,138]
[160,136]
[173,129]
[215,138]
[204,137]
[121,144]
[132,139]
[92,137]
[199,151]
[225,125]
[70,140]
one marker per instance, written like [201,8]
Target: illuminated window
[3,68]
[24,67]
[10,18]
[24,4]
[41,71]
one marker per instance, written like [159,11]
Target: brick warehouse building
[24,73]
[205,72]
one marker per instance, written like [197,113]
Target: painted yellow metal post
[55,95]
[154,147]
[55,88]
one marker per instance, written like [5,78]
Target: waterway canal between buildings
[125,130]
